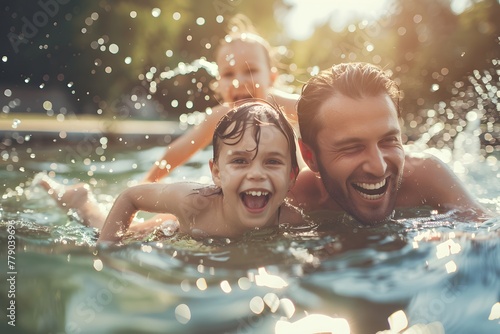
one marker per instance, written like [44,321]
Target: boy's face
[254,186]
[360,156]
[244,71]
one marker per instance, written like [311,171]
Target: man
[351,141]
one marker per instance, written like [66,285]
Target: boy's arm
[159,198]
[186,145]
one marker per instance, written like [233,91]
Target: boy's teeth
[371,186]
[256,193]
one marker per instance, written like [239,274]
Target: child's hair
[241,28]
[250,114]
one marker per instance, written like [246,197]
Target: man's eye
[391,140]
[352,149]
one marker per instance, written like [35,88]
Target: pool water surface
[434,272]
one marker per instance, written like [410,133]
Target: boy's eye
[238,161]
[275,162]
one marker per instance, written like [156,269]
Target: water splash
[467,144]
[15,123]
[194,66]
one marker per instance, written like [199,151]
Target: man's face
[360,156]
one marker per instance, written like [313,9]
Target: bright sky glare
[305,15]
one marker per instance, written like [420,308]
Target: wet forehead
[344,116]
[271,139]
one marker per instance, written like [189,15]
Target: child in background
[254,165]
[246,70]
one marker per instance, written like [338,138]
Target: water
[436,270]
[430,272]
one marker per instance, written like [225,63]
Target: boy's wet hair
[250,114]
[354,80]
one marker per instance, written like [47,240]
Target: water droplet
[183,313]
[47,105]
[156,12]
[113,48]
[98,265]
[15,123]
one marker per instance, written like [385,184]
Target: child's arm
[159,198]
[287,101]
[186,145]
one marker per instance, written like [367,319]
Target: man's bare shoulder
[424,167]
[291,215]
[427,180]
[308,193]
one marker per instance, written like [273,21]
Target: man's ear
[214,169]
[309,156]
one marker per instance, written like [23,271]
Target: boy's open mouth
[371,190]
[255,199]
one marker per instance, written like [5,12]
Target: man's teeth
[371,197]
[371,186]
[371,191]
[256,193]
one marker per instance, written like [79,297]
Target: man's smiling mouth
[371,191]
[255,199]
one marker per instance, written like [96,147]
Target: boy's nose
[256,173]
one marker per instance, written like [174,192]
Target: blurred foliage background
[140,59]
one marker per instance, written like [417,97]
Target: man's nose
[375,163]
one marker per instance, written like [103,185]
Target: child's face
[254,186]
[244,71]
